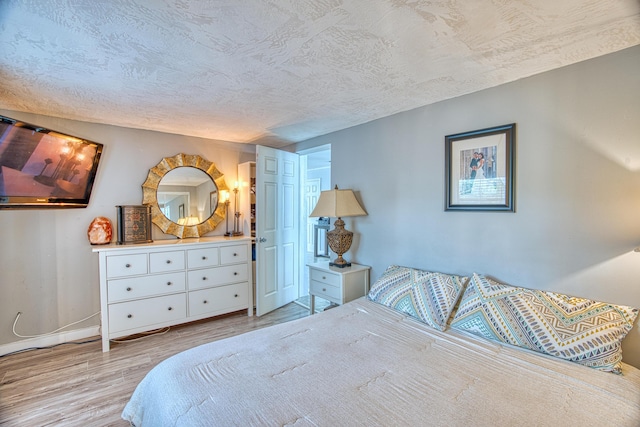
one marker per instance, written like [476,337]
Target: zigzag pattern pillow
[428,296]
[576,329]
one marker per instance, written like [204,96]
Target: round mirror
[186,194]
[183,192]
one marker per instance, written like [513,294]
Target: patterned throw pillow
[428,296]
[576,329]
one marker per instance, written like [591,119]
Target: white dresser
[167,282]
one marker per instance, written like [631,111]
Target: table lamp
[338,204]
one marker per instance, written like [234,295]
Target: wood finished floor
[79,385]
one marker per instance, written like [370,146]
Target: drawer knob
[169,283]
[129,289]
[235,254]
[127,265]
[170,308]
[324,289]
[235,273]
[204,302]
[236,295]
[204,278]
[168,261]
[204,258]
[129,316]
[324,277]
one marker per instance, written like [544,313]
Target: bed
[366,363]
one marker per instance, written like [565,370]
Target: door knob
[262,240]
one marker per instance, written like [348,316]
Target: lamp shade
[337,203]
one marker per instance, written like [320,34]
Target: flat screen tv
[42,168]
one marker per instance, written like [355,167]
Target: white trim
[59,338]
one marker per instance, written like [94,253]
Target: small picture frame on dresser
[134,224]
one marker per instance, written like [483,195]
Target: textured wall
[577,188]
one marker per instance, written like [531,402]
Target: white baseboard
[49,340]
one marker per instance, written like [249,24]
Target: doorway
[315,173]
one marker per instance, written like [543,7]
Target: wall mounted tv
[42,168]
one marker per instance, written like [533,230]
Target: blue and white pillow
[427,296]
[575,329]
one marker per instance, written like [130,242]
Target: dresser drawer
[137,314]
[217,276]
[145,286]
[323,290]
[197,258]
[220,299]
[324,277]
[233,254]
[159,262]
[126,265]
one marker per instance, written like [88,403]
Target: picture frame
[181,211]
[479,170]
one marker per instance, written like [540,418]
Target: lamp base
[339,241]
[342,264]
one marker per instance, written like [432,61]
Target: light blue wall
[577,216]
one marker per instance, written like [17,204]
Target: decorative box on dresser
[168,282]
[337,285]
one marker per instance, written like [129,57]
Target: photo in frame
[479,170]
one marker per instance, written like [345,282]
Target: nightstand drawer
[215,300]
[126,265]
[145,286]
[325,291]
[325,277]
[159,262]
[136,314]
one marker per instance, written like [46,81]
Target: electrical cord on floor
[147,334]
[15,322]
[49,346]
[160,331]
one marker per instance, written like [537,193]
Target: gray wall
[577,185]
[47,269]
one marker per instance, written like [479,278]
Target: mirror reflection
[187,196]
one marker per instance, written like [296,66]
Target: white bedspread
[364,364]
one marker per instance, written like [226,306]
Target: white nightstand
[338,285]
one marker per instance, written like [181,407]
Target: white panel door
[277,238]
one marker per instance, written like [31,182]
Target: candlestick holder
[236,220]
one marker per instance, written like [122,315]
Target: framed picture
[479,170]
[181,211]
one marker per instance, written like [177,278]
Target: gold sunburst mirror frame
[150,195]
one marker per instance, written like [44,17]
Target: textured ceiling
[280,71]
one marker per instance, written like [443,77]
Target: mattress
[366,364]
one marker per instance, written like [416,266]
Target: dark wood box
[134,224]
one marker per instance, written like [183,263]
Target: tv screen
[42,168]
